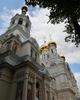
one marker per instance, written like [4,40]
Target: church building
[30,72]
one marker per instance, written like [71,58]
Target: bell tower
[20,25]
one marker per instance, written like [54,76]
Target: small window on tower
[47,55]
[26,24]
[20,21]
[35,56]
[31,52]
[52,50]
[44,56]
[13,21]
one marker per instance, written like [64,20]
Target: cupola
[44,47]
[24,9]
[20,25]
[51,43]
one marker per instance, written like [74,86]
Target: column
[24,96]
[34,88]
[41,89]
[51,90]
[50,94]
[44,96]
[13,91]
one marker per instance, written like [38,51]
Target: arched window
[44,56]
[20,22]
[37,85]
[13,21]
[31,52]
[52,50]
[47,56]
[26,25]
[35,56]
[37,90]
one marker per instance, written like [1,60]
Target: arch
[37,90]
[52,51]
[37,85]
[26,24]
[20,22]
[13,21]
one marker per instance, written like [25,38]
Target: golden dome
[52,43]
[44,47]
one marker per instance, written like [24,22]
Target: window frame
[20,21]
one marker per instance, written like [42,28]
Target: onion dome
[44,47]
[51,43]
[24,9]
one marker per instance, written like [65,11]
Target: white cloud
[5,17]
[42,31]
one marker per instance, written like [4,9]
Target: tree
[67,11]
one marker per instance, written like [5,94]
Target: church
[30,72]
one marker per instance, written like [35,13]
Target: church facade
[30,72]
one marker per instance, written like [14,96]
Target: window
[0,74]
[13,46]
[37,85]
[20,21]
[13,21]
[44,56]
[37,90]
[52,50]
[47,55]
[33,54]
[26,25]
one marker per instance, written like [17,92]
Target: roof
[52,43]
[45,46]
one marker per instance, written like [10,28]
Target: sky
[43,31]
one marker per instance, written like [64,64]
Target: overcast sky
[42,31]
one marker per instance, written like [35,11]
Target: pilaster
[24,97]
[44,89]
[34,87]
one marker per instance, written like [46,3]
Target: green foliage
[61,10]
